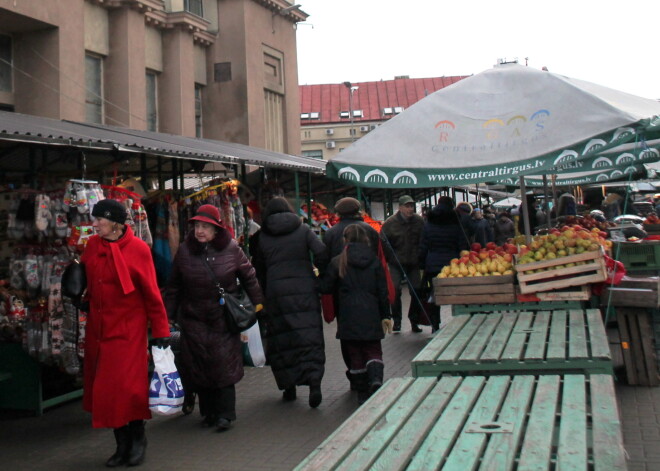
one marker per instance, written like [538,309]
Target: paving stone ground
[269,435]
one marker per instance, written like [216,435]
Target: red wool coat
[124,298]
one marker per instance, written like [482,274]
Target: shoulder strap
[214,278]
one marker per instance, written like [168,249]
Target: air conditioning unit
[329,132]
[364,128]
[330,145]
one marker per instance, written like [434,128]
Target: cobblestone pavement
[269,435]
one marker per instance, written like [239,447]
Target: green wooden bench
[462,309]
[494,423]
[571,341]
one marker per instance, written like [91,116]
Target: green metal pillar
[297,183]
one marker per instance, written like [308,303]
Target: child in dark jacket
[357,279]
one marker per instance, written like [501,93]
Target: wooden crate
[475,422]
[633,292]
[593,271]
[573,293]
[639,355]
[474,290]
[517,342]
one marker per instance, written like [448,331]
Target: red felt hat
[207,213]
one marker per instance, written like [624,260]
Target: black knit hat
[111,210]
[347,206]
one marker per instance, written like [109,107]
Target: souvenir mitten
[173,227]
[56,318]
[61,220]
[69,327]
[82,325]
[81,198]
[141,223]
[68,201]
[92,198]
[16,278]
[129,214]
[31,274]
[42,215]
[46,274]
[17,310]
[12,229]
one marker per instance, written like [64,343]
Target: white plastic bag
[253,349]
[165,390]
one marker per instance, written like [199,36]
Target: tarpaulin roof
[503,123]
[36,129]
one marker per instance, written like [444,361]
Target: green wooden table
[493,423]
[462,309]
[572,341]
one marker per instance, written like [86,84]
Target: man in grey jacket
[401,234]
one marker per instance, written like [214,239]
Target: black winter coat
[211,356]
[295,346]
[403,236]
[334,237]
[441,241]
[361,295]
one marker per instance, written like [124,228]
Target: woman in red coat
[124,299]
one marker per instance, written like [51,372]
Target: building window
[307,134]
[353,132]
[198,110]
[6,82]
[152,102]
[94,89]
[195,7]
[316,154]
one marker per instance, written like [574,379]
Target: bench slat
[437,445]
[456,347]
[389,424]
[501,450]
[480,341]
[600,347]
[342,441]
[572,451]
[577,343]
[516,343]
[442,339]
[536,345]
[395,456]
[537,445]
[495,347]
[557,340]
[467,450]
[608,440]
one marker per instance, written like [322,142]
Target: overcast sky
[612,43]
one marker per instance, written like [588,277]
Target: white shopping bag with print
[165,390]
[253,348]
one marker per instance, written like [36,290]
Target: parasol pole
[547,206]
[524,214]
[554,194]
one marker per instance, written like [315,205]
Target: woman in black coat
[357,278]
[295,346]
[442,239]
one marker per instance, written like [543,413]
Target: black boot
[362,387]
[315,396]
[138,443]
[350,376]
[375,375]
[123,439]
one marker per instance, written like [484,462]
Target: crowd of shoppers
[285,272]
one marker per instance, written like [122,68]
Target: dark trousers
[413,274]
[426,290]
[361,352]
[220,402]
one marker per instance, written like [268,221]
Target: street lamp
[351,89]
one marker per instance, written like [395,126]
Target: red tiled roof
[370,97]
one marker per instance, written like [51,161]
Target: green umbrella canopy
[503,123]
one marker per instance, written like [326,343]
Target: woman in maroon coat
[123,299]
[211,358]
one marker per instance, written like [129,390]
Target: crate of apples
[491,260]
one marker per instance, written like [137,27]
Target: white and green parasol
[507,122]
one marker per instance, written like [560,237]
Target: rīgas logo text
[496,132]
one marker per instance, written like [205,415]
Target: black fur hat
[111,210]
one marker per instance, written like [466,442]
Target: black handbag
[74,280]
[240,313]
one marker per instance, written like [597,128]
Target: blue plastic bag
[165,389]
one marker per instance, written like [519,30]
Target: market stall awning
[17,127]
[503,123]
